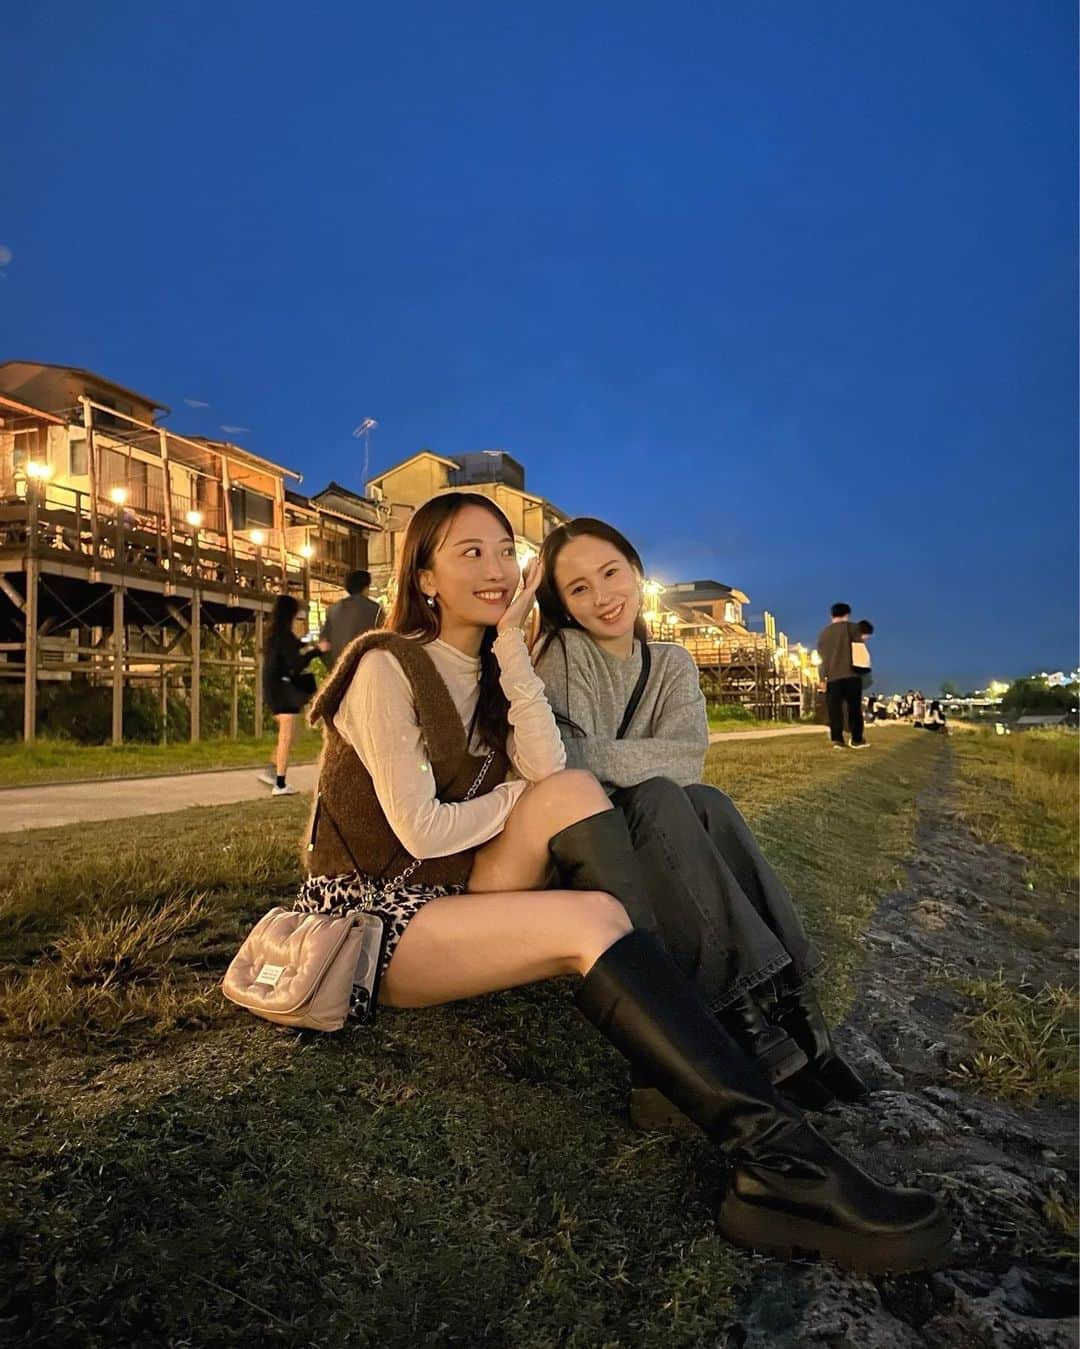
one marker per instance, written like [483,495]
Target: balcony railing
[53,519]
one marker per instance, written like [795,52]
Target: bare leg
[507,931]
[518,858]
[463,945]
[285,723]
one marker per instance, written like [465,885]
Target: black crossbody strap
[639,689]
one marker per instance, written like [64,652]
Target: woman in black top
[287,686]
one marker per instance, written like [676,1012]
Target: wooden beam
[91,468]
[259,624]
[118,666]
[226,506]
[166,480]
[279,511]
[31,662]
[12,594]
[196,666]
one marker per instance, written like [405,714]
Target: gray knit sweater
[586,685]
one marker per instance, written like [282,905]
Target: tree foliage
[1035,697]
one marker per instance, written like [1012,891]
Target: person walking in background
[843,684]
[349,618]
[287,684]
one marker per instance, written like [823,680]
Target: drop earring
[430,601]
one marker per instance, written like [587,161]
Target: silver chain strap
[396,883]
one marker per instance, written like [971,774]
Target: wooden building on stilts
[138,566]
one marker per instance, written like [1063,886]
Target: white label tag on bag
[269,975]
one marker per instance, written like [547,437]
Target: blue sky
[786,291]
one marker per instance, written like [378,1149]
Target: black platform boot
[797,1012]
[779,1055]
[788,1190]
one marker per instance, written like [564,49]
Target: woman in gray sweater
[631,711]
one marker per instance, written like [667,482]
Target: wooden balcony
[132,544]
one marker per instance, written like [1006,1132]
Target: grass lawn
[62,761]
[176,1173]
[1022,792]
[720,721]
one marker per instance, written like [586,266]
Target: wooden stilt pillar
[258,673]
[234,686]
[196,664]
[30,614]
[163,678]
[118,665]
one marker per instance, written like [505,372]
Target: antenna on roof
[362,432]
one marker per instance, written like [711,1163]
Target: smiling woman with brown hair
[443,805]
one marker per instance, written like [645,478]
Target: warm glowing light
[118,495]
[652,589]
[194,519]
[307,550]
[258,538]
[815,659]
[525,555]
[36,469]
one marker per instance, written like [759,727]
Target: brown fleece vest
[349,830]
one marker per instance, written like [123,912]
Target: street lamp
[194,519]
[118,495]
[307,551]
[37,475]
[258,538]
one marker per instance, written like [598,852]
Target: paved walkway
[118,798]
[54,805]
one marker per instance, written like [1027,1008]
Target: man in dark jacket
[843,687]
[349,617]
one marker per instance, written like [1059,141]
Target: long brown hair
[412,616]
[554,616]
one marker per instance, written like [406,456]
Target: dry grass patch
[1027,1039]
[109,975]
[1022,792]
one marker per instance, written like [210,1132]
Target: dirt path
[993,1163]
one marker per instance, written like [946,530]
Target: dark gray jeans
[725,917]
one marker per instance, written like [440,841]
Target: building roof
[355,508]
[300,502]
[421,454]
[89,375]
[1045,719]
[690,592]
[238,452]
[25,410]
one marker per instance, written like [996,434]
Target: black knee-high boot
[597,853]
[787,1190]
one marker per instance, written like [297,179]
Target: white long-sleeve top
[378,718]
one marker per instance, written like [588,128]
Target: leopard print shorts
[337,895]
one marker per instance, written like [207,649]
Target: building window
[250,510]
[77,464]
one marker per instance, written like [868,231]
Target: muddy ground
[994,1164]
